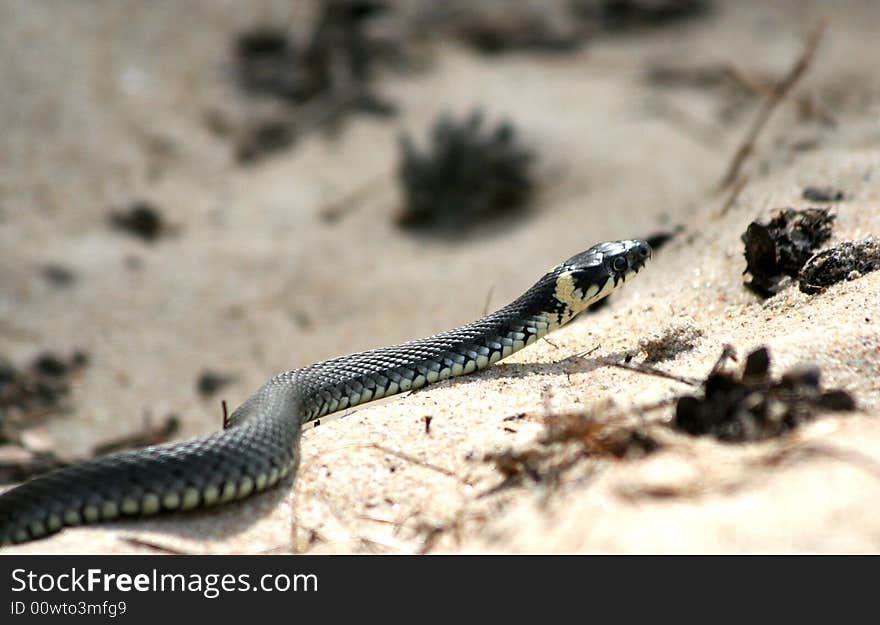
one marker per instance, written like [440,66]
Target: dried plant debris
[267,63]
[505,26]
[340,54]
[322,80]
[823,194]
[467,176]
[611,434]
[568,437]
[40,389]
[28,396]
[263,138]
[18,464]
[670,342]
[847,261]
[500,26]
[735,89]
[140,219]
[779,249]
[632,14]
[148,435]
[752,405]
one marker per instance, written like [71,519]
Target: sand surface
[105,102]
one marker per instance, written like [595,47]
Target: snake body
[259,444]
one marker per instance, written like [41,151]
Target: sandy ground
[105,102]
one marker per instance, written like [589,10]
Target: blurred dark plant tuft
[468,175]
[320,80]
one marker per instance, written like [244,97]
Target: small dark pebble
[754,406]
[847,261]
[141,219]
[780,248]
[58,275]
[210,382]
[823,194]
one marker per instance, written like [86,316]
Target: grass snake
[259,444]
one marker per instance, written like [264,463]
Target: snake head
[623,259]
[591,275]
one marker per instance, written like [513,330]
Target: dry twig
[780,90]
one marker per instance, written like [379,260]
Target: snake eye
[619,264]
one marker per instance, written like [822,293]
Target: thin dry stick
[734,194]
[488,300]
[755,86]
[421,463]
[780,90]
[339,208]
[145,542]
[647,369]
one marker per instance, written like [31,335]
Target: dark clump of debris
[28,397]
[322,80]
[780,248]
[847,261]
[263,138]
[823,194]
[267,64]
[140,219]
[752,405]
[210,382]
[36,391]
[506,26]
[502,27]
[467,176]
[339,55]
[631,14]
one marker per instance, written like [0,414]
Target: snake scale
[259,444]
